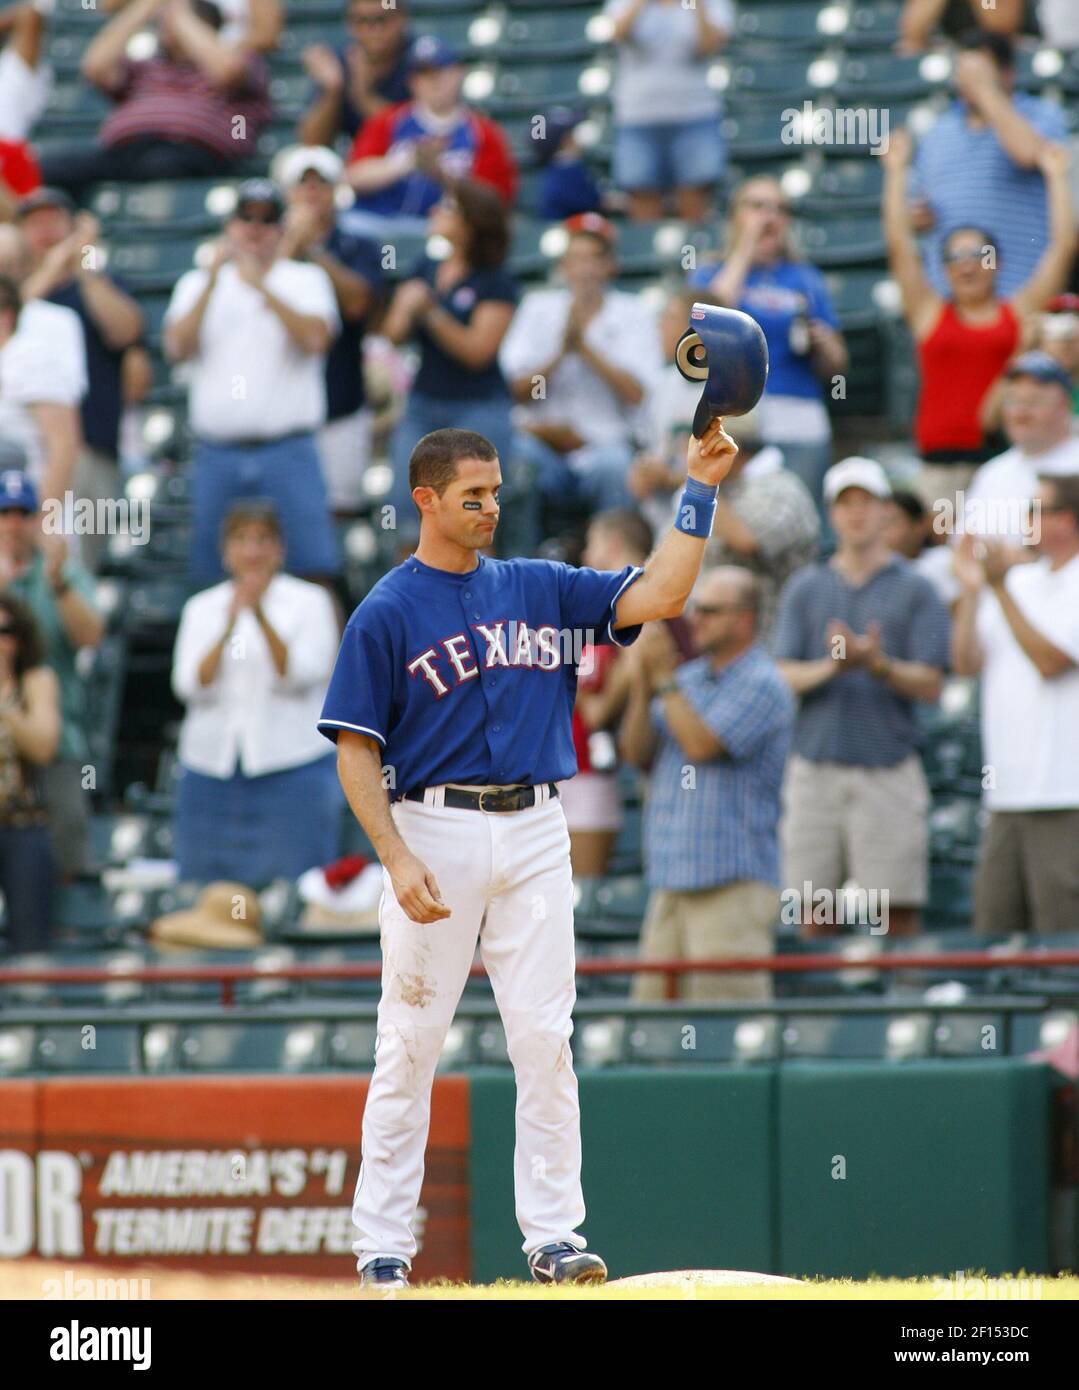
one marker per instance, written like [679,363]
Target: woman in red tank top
[965,341]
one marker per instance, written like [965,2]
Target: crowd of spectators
[778,724]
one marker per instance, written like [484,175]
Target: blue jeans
[595,481]
[674,154]
[288,473]
[255,829]
[422,414]
[28,881]
[811,462]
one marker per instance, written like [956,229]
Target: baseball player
[451,705]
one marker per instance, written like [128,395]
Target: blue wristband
[696,508]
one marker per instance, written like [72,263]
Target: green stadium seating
[652,1038]
[87,1049]
[873,24]
[182,206]
[351,1046]
[16,1049]
[782,27]
[843,186]
[270,1046]
[869,77]
[843,242]
[153,264]
[530,89]
[846,1035]
[967,1035]
[489,1044]
[530,34]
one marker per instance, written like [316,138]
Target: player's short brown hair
[435,458]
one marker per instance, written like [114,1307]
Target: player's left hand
[709,459]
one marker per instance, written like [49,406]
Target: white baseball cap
[293,164]
[856,472]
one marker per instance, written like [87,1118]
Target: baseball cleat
[565,1264]
[385,1274]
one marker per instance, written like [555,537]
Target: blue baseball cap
[1041,367]
[429,51]
[17,493]
[557,124]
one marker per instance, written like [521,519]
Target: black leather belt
[501,799]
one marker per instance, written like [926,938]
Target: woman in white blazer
[258,793]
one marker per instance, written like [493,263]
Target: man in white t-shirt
[256,328]
[42,381]
[582,359]
[1018,627]
[1037,420]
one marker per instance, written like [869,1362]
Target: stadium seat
[882,1036]
[16,1049]
[779,28]
[1035,1032]
[841,187]
[873,24]
[755,134]
[489,1044]
[152,264]
[82,1048]
[750,78]
[866,78]
[653,1038]
[351,1046]
[843,242]
[528,34]
[181,207]
[969,1035]
[82,909]
[852,294]
[529,89]
[326,956]
[265,1045]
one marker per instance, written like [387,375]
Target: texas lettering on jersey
[452,660]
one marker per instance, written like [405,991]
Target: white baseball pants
[506,878]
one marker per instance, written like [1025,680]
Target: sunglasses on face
[370,21]
[13,511]
[6,630]
[263,219]
[712,610]
[974,254]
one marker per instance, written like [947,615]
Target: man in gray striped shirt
[859,639]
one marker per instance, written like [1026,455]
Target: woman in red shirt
[964,342]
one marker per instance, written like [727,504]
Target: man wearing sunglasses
[256,328]
[715,734]
[354,80]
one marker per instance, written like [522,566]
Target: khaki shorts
[737,919]
[870,824]
[1028,873]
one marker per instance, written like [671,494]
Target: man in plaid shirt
[715,734]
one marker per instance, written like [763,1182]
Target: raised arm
[1051,272]
[672,569]
[921,303]
[103,60]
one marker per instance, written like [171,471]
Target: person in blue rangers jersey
[451,705]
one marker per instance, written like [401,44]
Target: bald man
[715,733]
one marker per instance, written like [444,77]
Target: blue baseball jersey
[472,677]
